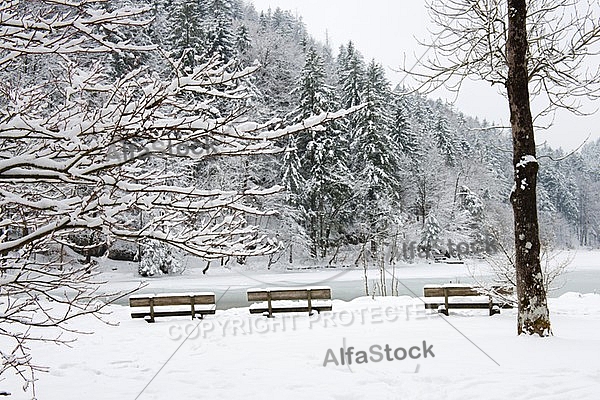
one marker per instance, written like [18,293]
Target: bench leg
[193,310]
[494,310]
[270,306]
[151,310]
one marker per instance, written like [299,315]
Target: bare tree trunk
[533,314]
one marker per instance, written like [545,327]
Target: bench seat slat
[293,303]
[462,306]
[261,310]
[170,313]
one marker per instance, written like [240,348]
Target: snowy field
[234,355]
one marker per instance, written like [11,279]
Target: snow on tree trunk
[533,314]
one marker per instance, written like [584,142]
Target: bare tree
[529,49]
[78,151]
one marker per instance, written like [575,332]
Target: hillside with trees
[148,130]
[403,168]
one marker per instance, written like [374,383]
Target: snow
[233,354]
[285,288]
[524,184]
[143,296]
[526,160]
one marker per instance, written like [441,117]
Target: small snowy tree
[221,38]
[159,258]
[431,234]
[445,141]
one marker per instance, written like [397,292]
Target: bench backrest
[171,300]
[289,294]
[439,291]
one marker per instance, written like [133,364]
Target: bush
[88,242]
[122,250]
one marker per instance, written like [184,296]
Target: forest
[404,168]
[396,168]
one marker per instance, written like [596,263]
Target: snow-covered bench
[290,300]
[172,305]
[445,297]
[442,258]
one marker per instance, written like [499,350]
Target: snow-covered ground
[234,355]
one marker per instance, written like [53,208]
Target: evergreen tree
[430,237]
[242,39]
[325,198]
[377,162]
[401,129]
[377,153]
[221,39]
[159,258]
[444,140]
[187,38]
[291,171]
[324,174]
[351,72]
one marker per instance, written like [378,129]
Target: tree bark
[533,314]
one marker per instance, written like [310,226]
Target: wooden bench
[298,300]
[442,259]
[173,305]
[465,294]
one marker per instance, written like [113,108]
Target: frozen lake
[230,285]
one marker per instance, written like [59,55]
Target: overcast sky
[387,30]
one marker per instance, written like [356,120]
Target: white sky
[387,31]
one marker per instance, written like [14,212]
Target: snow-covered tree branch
[83,149]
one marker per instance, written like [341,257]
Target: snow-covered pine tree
[159,258]
[325,176]
[281,59]
[221,40]
[351,75]
[314,95]
[376,157]
[242,39]
[445,140]
[430,236]
[187,37]
[291,178]
[401,128]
